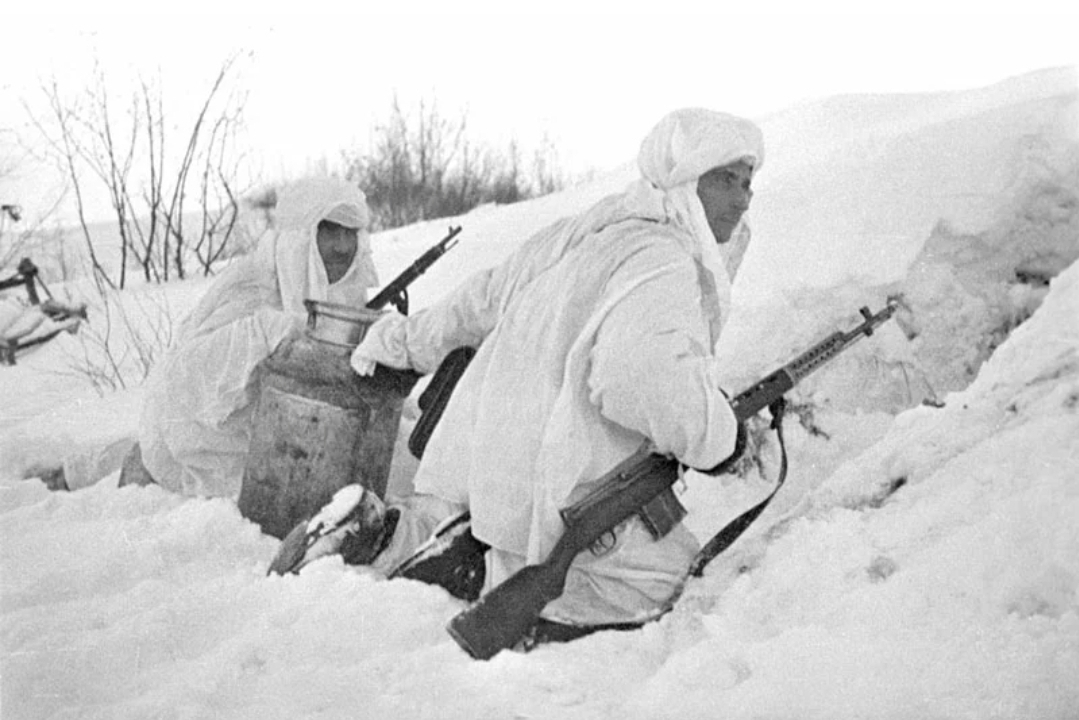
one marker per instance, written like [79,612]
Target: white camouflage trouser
[631,582]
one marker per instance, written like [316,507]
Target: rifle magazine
[662,513]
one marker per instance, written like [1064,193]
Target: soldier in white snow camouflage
[594,337]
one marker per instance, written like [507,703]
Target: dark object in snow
[879,498]
[452,559]
[26,274]
[1038,271]
[51,477]
[133,471]
[355,524]
[882,568]
[68,317]
[501,618]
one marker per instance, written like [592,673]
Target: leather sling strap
[734,529]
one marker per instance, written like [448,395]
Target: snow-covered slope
[959,205]
[932,576]
[935,574]
[868,178]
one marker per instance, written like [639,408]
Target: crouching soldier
[199,401]
[595,337]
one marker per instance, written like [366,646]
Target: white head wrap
[349,215]
[300,271]
[681,147]
[687,143]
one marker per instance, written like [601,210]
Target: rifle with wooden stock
[502,617]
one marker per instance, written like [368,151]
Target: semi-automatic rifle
[507,613]
[396,293]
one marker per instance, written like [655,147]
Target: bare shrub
[424,166]
[127,332]
[128,153]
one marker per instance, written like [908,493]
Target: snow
[922,561]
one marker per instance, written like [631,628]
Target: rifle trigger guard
[604,544]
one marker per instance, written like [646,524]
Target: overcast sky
[592,81]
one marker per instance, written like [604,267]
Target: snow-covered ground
[922,561]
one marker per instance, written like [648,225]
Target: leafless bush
[424,166]
[127,332]
[129,155]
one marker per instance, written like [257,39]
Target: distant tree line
[423,165]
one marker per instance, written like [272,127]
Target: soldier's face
[337,248]
[725,193]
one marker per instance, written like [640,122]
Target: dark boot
[452,558]
[355,524]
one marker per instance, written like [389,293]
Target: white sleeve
[465,316]
[219,367]
[653,370]
[422,340]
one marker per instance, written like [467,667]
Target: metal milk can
[319,426]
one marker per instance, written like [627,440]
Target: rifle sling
[436,395]
[734,529]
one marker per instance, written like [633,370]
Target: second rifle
[396,293]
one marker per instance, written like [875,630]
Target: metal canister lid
[336,324]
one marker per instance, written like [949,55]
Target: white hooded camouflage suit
[593,338]
[196,420]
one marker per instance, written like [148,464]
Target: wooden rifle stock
[502,617]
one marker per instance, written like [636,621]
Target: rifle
[26,274]
[396,293]
[506,614]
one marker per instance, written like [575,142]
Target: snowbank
[936,573]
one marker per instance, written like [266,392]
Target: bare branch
[126,154]
[69,152]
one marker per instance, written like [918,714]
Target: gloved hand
[763,453]
[379,345]
[757,450]
[361,364]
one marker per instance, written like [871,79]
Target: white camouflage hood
[681,147]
